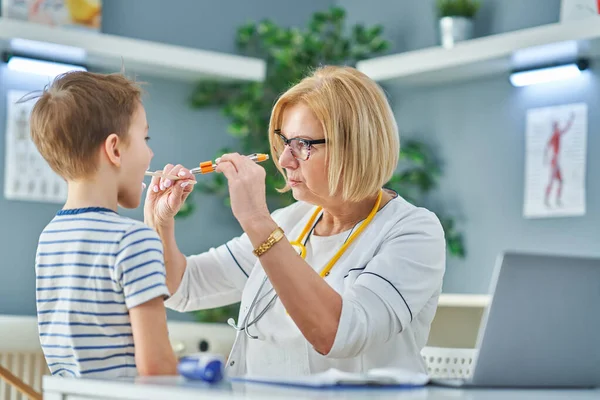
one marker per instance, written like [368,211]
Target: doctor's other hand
[247,190]
[164,197]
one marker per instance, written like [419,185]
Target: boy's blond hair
[75,114]
[363,143]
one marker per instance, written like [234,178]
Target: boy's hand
[165,197]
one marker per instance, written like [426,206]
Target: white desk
[177,388]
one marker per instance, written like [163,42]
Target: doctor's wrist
[259,230]
[165,229]
[255,220]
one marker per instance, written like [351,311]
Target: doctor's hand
[247,190]
[165,197]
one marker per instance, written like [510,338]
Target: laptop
[542,327]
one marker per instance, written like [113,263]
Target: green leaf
[456,246]
[206,187]
[186,209]
[220,179]
[319,17]
[223,150]
[375,31]
[458,8]
[359,33]
[265,27]
[245,34]
[379,45]
[238,129]
[337,13]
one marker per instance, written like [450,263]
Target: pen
[207,167]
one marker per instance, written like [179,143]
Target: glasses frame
[308,143]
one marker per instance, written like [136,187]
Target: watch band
[273,238]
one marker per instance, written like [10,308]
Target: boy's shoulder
[137,232]
[98,221]
[133,225]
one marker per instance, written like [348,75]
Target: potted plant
[456,20]
[290,54]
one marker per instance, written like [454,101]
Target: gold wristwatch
[273,238]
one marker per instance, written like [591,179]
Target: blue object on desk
[206,367]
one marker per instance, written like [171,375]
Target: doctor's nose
[287,159]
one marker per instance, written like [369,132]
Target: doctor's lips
[293,182]
[207,167]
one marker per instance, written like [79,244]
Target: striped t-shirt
[92,266]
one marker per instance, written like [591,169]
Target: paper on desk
[334,377]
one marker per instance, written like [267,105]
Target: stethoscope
[303,237]
[247,322]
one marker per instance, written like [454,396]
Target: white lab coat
[390,279]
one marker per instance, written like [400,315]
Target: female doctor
[349,276]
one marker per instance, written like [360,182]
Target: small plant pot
[455,29]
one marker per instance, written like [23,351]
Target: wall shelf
[464,300]
[139,56]
[487,56]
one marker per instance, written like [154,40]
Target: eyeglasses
[300,147]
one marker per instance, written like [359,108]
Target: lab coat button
[231,363]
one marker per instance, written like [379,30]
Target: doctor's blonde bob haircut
[362,137]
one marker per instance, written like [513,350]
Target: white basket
[443,362]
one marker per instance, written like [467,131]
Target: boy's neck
[92,192]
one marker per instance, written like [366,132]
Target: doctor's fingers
[154,182]
[166,171]
[228,169]
[182,173]
[243,164]
[247,170]
[232,158]
[180,190]
[174,171]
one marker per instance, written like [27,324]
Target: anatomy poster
[555,159]
[27,176]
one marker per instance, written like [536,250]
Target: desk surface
[178,388]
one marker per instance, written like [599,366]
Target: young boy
[100,277]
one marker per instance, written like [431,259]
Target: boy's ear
[112,148]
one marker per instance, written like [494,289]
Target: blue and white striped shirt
[92,266]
